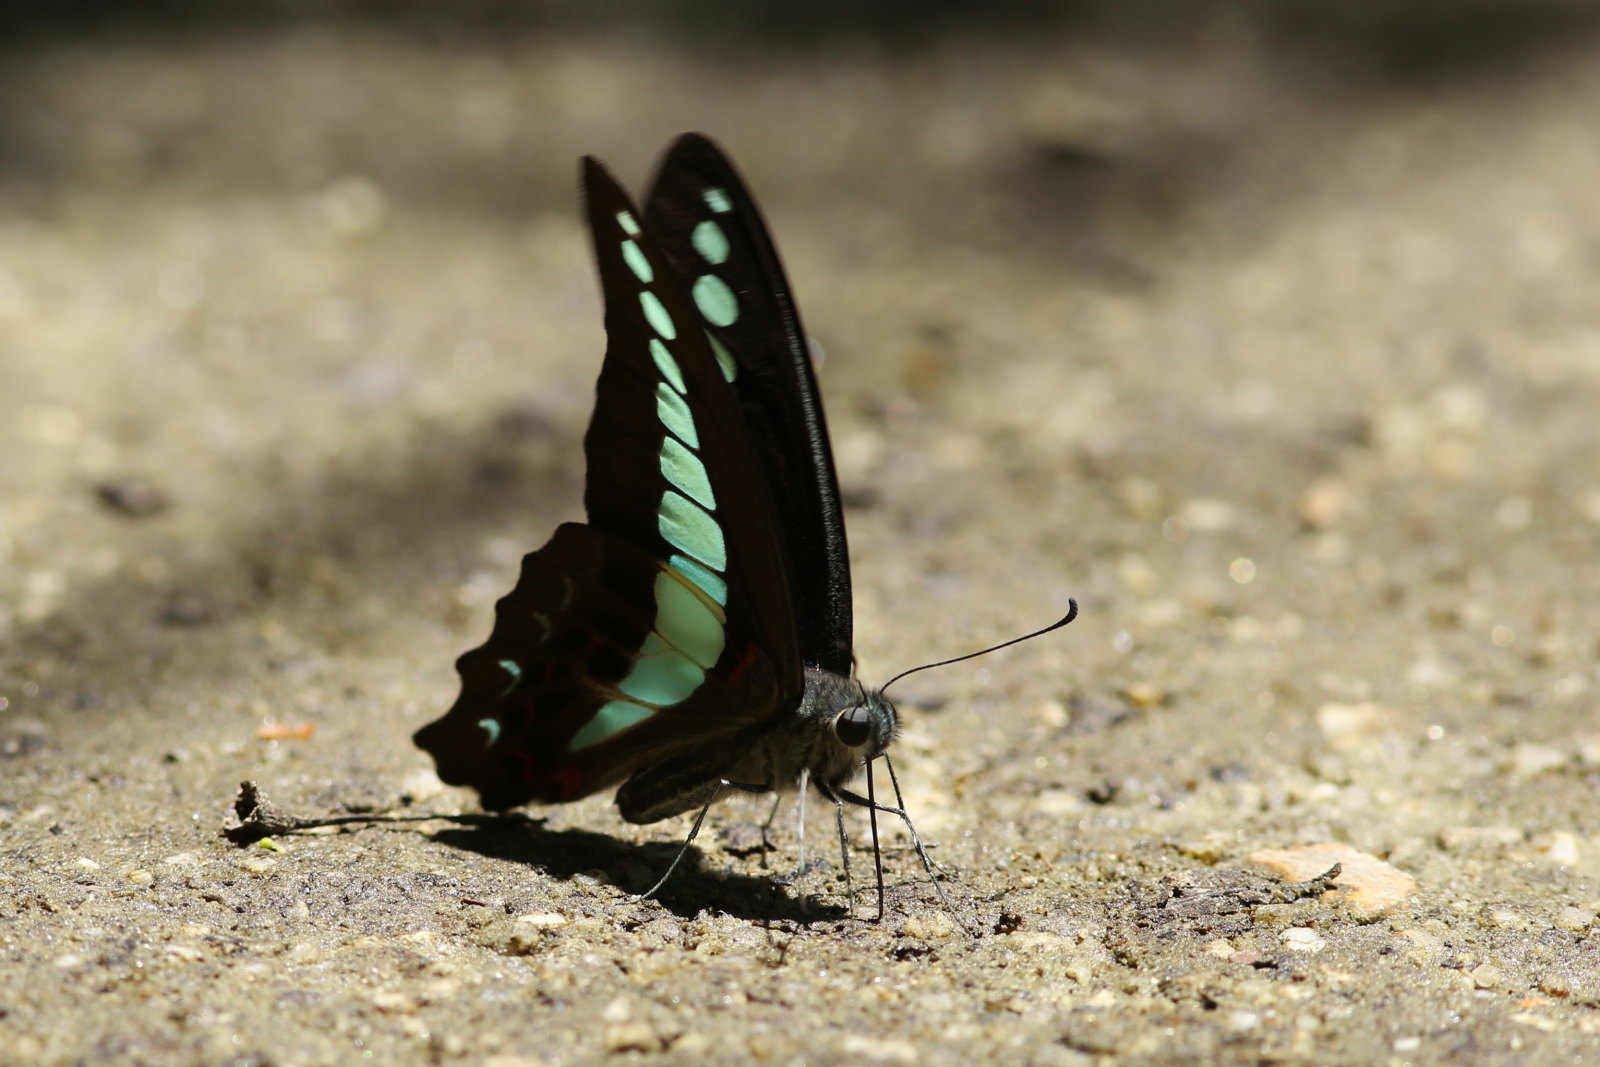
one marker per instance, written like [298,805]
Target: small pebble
[1208,849]
[691,1044]
[133,497]
[393,1002]
[1144,694]
[1208,514]
[879,1049]
[1324,503]
[1302,939]
[1528,760]
[631,1037]
[1556,985]
[1420,946]
[1352,727]
[1241,1021]
[1506,919]
[1558,847]
[1373,885]
[930,926]
[1053,713]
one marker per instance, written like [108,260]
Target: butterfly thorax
[836,728]
[839,726]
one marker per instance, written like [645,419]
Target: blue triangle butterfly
[694,635]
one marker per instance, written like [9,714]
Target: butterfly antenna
[1072,613]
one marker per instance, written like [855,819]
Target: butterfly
[694,636]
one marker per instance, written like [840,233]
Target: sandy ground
[1273,339]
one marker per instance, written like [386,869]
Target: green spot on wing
[661,675]
[673,411]
[709,240]
[613,717]
[717,200]
[683,469]
[688,528]
[629,224]
[725,362]
[667,365]
[657,316]
[709,581]
[511,667]
[685,621]
[491,729]
[715,300]
[638,262]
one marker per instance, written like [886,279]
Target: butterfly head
[868,725]
[840,726]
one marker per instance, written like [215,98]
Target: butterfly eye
[853,727]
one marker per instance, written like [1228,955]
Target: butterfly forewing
[709,226]
[672,464]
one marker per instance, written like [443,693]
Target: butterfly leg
[802,868]
[872,805]
[800,823]
[694,831]
[844,859]
[766,827]
[683,848]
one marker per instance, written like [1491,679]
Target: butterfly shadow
[567,854]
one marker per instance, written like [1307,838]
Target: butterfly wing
[708,224]
[604,661]
[666,626]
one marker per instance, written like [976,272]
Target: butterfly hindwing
[583,682]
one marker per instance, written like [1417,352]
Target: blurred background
[299,327]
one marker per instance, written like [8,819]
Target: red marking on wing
[526,761]
[566,783]
[747,657]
